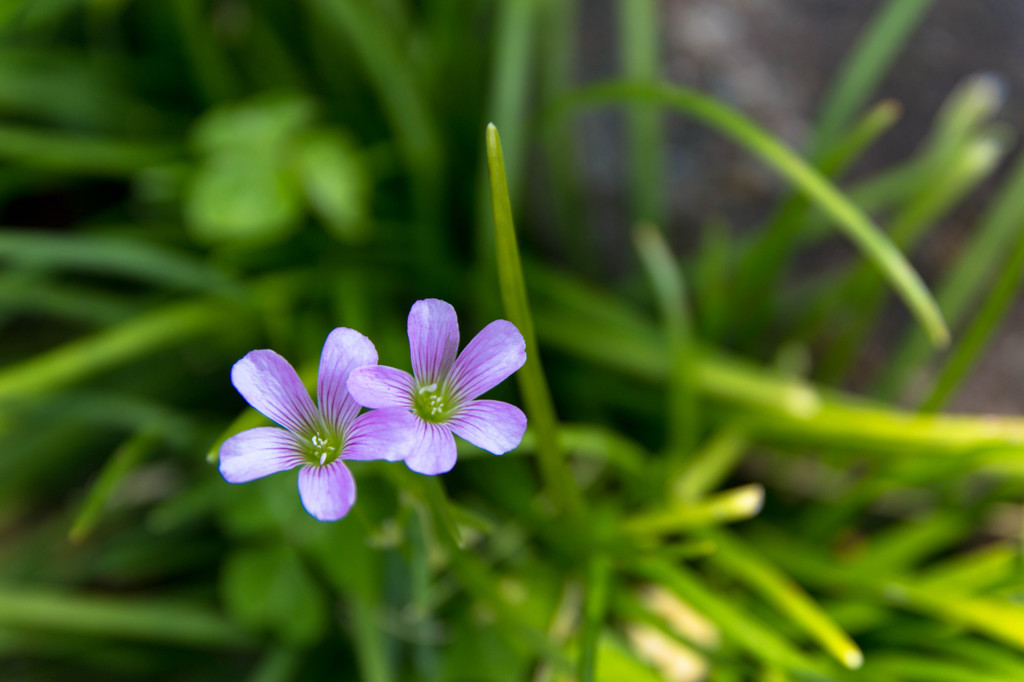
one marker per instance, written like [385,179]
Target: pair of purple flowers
[412,417]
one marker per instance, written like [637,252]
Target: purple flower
[318,439]
[442,393]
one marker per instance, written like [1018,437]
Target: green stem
[558,478]
[124,459]
[670,294]
[639,42]
[595,606]
[867,64]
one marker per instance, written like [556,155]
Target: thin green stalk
[369,640]
[972,572]
[710,465]
[875,52]
[437,501]
[125,458]
[770,251]
[744,563]
[113,256]
[848,217]
[510,80]
[639,43]
[595,607]
[736,623]
[532,382]
[670,294]
[112,347]
[964,282]
[998,619]
[78,154]
[645,356]
[853,425]
[558,27]
[910,668]
[712,277]
[738,504]
[968,350]
[122,618]
[861,295]
[904,546]
[781,408]
[24,292]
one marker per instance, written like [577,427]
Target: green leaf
[242,197]
[336,183]
[269,588]
[266,121]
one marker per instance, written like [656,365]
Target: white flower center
[323,447]
[431,403]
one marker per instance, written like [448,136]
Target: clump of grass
[676,510]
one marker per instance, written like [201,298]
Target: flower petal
[258,452]
[344,350]
[490,358]
[269,384]
[433,339]
[327,492]
[390,433]
[489,424]
[434,452]
[381,386]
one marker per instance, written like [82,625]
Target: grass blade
[595,605]
[639,21]
[996,234]
[122,618]
[978,335]
[106,256]
[114,346]
[735,622]
[510,79]
[710,465]
[532,382]
[738,504]
[875,246]
[864,69]
[78,154]
[120,464]
[670,294]
[789,598]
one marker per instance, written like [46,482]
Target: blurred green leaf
[269,588]
[261,123]
[119,617]
[242,197]
[336,183]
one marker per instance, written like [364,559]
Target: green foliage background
[696,498]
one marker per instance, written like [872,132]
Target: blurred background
[748,418]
